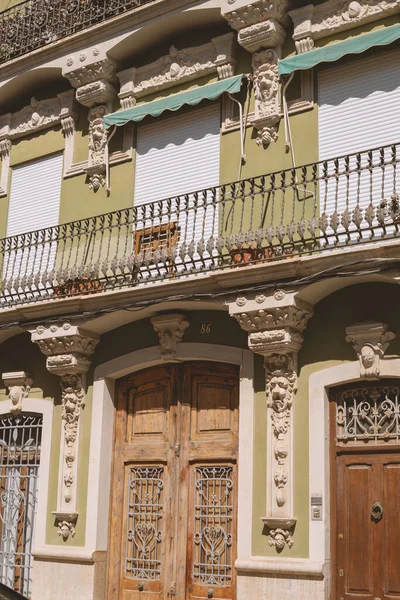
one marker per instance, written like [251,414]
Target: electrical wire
[377,265]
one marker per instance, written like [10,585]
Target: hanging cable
[289,140]
[107,160]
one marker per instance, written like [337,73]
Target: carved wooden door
[366,527]
[173,518]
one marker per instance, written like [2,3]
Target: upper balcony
[343,203]
[33,24]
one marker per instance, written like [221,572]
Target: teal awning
[355,45]
[210,91]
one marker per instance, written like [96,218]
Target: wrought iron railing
[338,203]
[35,23]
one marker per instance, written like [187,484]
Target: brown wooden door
[173,519]
[365,499]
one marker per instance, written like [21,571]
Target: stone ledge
[290,566]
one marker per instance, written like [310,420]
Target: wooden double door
[366,494]
[173,516]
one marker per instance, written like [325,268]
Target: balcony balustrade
[34,23]
[313,209]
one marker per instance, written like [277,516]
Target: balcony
[346,202]
[36,23]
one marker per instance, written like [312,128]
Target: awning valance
[210,91]
[333,52]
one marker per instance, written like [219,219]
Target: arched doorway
[174,485]
[365,490]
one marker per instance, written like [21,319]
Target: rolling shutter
[35,195]
[359,109]
[175,156]
[359,105]
[34,204]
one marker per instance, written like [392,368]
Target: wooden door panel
[211,548]
[356,481]
[214,403]
[390,526]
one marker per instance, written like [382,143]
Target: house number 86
[205,328]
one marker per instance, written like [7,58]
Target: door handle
[376,512]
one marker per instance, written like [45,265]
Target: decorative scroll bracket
[67,348]
[95,90]
[370,340]
[261,31]
[170,329]
[19,384]
[275,332]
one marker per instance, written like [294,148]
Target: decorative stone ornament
[370,340]
[177,67]
[170,329]
[259,23]
[260,26]
[316,22]
[275,332]
[95,89]
[67,348]
[19,384]
[266,95]
[65,523]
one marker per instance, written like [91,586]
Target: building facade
[199,336]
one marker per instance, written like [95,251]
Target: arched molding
[44,408]
[320,384]
[102,429]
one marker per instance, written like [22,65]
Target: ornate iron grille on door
[369,414]
[20,440]
[145,505]
[213,517]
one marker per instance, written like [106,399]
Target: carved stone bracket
[65,523]
[177,67]
[170,329]
[68,348]
[95,90]
[261,31]
[275,332]
[370,340]
[266,95]
[280,532]
[316,22]
[19,384]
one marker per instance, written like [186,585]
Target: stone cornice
[316,22]
[180,66]
[41,114]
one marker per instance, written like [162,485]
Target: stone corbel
[315,22]
[179,66]
[170,329]
[19,384]
[275,331]
[261,30]
[67,348]
[5,153]
[95,90]
[370,340]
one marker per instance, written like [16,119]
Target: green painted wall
[324,346]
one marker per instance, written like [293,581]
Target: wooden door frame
[101,437]
[336,450]
[319,385]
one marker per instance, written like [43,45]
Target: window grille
[20,441]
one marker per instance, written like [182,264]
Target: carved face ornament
[367,356]
[278,389]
